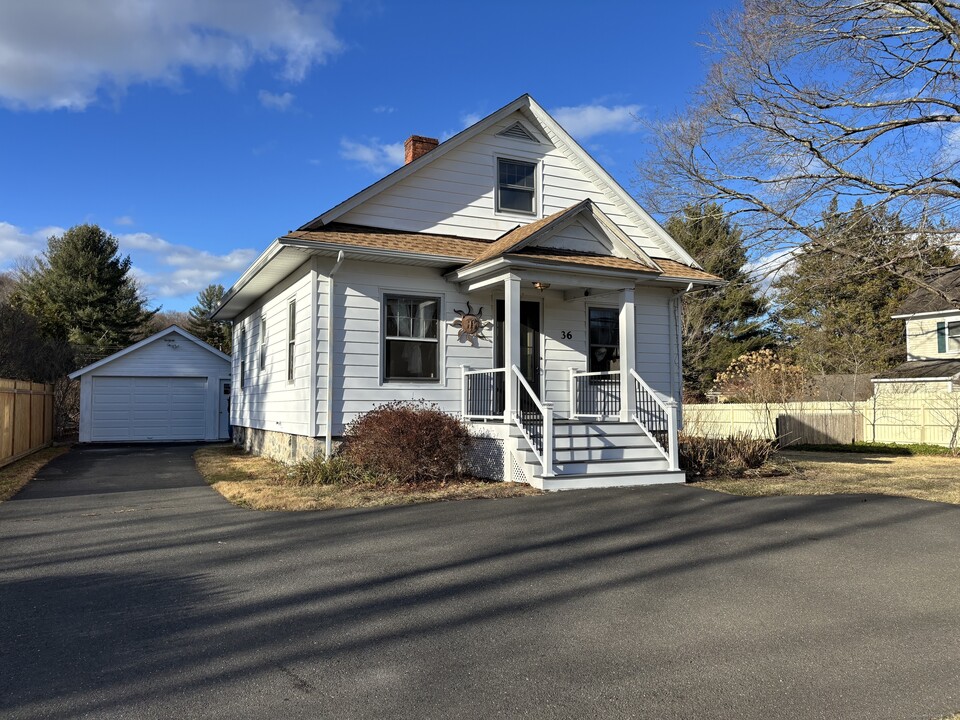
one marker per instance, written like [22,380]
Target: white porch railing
[483,393]
[594,394]
[535,420]
[658,419]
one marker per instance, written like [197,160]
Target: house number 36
[566,335]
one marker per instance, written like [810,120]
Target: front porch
[595,422]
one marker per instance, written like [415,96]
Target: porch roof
[446,251]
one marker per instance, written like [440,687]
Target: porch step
[622,479]
[624,453]
[594,429]
[597,454]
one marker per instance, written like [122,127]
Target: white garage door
[148,408]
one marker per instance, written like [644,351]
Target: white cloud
[384,109]
[272,101]
[16,243]
[375,156]
[584,121]
[124,220]
[165,269]
[469,119]
[56,54]
[168,270]
[767,269]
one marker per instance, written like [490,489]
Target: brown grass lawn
[258,483]
[934,478]
[15,475]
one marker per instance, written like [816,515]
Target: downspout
[328,409]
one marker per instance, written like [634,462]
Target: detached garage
[170,386]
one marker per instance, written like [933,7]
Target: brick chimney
[417,145]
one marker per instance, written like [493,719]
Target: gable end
[518,132]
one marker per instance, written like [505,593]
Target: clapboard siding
[656,340]
[922,339]
[357,379]
[268,401]
[455,193]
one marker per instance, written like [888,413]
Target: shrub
[723,457]
[405,442]
[321,470]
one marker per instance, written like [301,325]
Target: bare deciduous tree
[811,100]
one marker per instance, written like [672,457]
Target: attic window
[518,132]
[516,186]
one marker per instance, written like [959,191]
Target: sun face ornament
[470,324]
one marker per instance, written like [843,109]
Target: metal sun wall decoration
[470,324]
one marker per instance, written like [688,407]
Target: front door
[529,341]
[224,409]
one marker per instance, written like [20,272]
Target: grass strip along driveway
[935,478]
[263,484]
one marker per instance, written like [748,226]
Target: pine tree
[719,324]
[216,334]
[81,291]
[836,310]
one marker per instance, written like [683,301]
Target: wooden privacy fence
[26,418]
[888,417]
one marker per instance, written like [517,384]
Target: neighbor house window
[411,346]
[243,357]
[604,334]
[291,336]
[263,342]
[516,186]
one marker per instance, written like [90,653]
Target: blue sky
[197,132]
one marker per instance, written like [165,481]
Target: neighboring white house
[933,339]
[170,386]
[575,378]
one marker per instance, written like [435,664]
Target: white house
[170,386]
[933,339]
[575,377]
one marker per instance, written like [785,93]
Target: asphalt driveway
[130,589]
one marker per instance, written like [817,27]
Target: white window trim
[291,344]
[242,342]
[441,379]
[262,359]
[587,306]
[537,187]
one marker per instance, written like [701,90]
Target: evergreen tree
[836,310]
[211,332]
[80,291]
[719,324]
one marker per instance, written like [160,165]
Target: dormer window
[516,186]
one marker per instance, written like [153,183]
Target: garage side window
[411,346]
[291,337]
[243,358]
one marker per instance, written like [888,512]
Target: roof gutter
[274,249]
[328,404]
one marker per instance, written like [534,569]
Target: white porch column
[511,343]
[628,354]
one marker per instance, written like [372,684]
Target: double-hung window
[411,345]
[516,186]
[243,357]
[263,342]
[604,335]
[291,337]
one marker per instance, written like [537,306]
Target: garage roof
[173,329]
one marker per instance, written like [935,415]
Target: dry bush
[321,470]
[404,442]
[723,457]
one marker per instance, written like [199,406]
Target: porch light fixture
[541,286]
